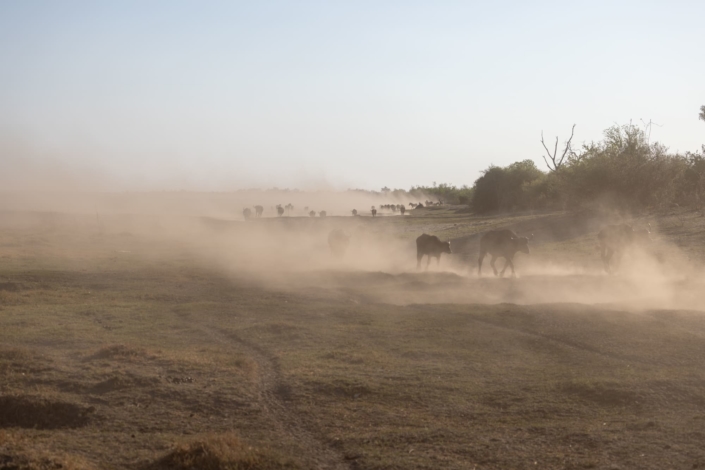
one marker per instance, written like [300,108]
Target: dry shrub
[221,452]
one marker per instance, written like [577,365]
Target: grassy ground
[125,350]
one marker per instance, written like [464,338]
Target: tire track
[271,393]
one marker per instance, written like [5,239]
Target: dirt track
[273,396]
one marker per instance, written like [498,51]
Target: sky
[329,94]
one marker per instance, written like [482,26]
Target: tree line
[624,171]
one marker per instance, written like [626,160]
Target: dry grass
[126,352]
[221,452]
[18,453]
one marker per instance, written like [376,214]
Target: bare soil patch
[41,413]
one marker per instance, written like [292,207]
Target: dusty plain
[170,341]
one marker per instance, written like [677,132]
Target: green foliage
[518,186]
[625,171]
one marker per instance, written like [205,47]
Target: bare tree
[557,162]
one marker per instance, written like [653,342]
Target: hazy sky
[225,95]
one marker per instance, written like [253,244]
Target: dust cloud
[291,253]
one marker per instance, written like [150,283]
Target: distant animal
[354,212]
[431,246]
[259,210]
[246,213]
[501,244]
[280,210]
[616,239]
[374,212]
[289,208]
[402,209]
[312,214]
[322,214]
[338,242]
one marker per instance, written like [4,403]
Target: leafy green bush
[518,186]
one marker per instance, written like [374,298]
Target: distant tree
[625,171]
[567,151]
[702,112]
[354,212]
[503,189]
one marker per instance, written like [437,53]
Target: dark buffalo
[338,242]
[258,211]
[246,213]
[616,239]
[402,209]
[501,244]
[431,246]
[374,212]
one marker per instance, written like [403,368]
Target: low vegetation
[127,348]
[624,171]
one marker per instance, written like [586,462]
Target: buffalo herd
[614,241]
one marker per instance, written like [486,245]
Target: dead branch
[558,162]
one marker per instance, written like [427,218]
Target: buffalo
[431,246]
[616,239]
[402,209]
[374,212]
[246,213]
[258,211]
[312,214]
[501,244]
[338,242]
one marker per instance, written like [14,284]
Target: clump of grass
[15,355]
[221,452]
[19,453]
[121,352]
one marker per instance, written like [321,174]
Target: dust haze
[184,313]
[290,252]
